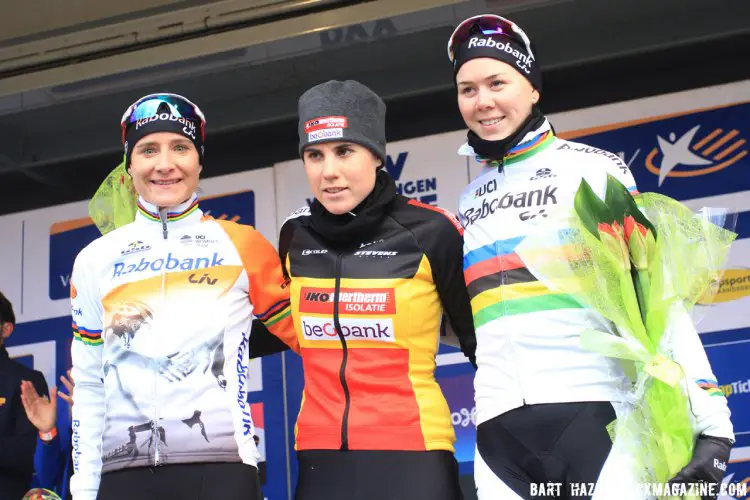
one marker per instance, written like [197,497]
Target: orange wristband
[48,436]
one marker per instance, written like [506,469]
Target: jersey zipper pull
[163,214]
[500,164]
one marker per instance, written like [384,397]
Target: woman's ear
[5,330]
[377,161]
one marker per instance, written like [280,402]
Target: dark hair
[6,311]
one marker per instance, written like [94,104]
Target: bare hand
[69,385]
[41,411]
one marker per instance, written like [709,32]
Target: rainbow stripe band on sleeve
[275,313]
[88,337]
[710,386]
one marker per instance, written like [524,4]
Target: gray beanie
[342,111]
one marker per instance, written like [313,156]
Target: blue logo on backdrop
[689,156]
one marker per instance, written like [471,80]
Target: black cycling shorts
[199,481]
[377,475]
[562,444]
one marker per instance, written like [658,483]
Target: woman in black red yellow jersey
[371,274]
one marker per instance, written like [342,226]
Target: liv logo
[200,279]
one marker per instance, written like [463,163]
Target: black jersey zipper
[345,356]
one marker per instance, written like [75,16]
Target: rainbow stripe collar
[529,148]
[180,212]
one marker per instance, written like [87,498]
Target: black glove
[469,348]
[709,462]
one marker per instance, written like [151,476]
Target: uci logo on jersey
[695,152]
[486,189]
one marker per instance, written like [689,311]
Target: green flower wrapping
[115,202]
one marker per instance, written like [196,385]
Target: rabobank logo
[168,263]
[697,151]
[420,188]
[68,238]
[378,330]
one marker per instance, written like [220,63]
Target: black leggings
[377,475]
[200,481]
[548,443]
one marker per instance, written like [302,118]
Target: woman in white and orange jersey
[163,308]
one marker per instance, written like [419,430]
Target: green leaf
[621,203]
[591,209]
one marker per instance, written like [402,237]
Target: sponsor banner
[351,301]
[426,169]
[373,330]
[690,155]
[729,309]
[734,285]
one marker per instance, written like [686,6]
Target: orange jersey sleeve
[267,289]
